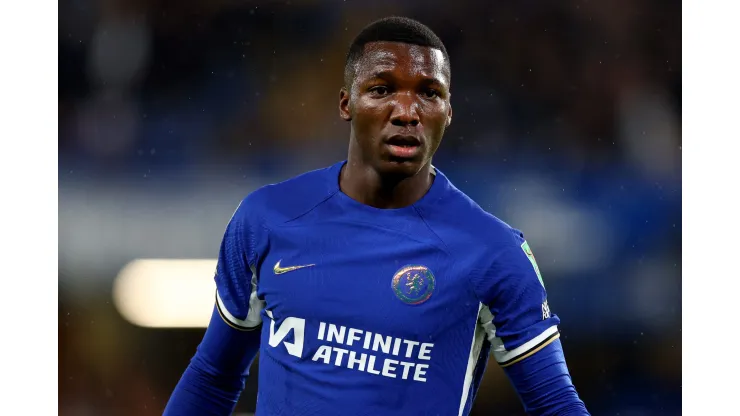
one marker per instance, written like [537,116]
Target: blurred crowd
[567,123]
[208,81]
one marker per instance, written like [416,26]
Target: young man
[374,286]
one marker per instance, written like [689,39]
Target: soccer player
[374,286]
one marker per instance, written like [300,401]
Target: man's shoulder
[287,199]
[464,222]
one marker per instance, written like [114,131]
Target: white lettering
[340,353]
[396,346]
[354,360]
[387,369]
[425,350]
[322,329]
[406,367]
[371,365]
[410,347]
[368,337]
[383,342]
[420,371]
[351,361]
[298,325]
[323,353]
[336,334]
[353,336]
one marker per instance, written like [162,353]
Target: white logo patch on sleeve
[530,256]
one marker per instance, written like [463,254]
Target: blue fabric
[215,378]
[367,311]
[544,385]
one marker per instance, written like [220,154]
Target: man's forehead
[386,56]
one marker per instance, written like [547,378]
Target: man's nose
[405,111]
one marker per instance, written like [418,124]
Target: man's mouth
[404,147]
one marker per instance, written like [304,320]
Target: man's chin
[399,167]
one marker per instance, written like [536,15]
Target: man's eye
[379,90]
[431,93]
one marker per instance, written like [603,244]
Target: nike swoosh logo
[280,270]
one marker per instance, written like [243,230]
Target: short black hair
[391,29]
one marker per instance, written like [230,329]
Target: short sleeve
[515,312]
[236,277]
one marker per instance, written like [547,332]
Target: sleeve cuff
[506,358]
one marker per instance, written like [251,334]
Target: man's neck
[364,184]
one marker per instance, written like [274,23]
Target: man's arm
[543,383]
[523,332]
[215,378]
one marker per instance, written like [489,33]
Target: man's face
[399,106]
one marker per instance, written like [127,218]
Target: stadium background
[566,124]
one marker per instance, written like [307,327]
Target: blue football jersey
[368,311]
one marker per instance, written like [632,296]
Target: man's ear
[344,110]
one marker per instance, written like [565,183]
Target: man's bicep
[516,315]
[236,276]
[511,348]
[247,314]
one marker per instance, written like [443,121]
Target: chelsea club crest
[413,284]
